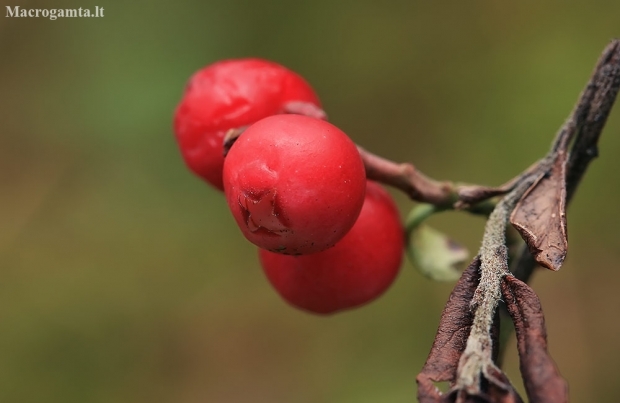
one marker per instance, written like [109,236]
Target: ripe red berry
[294,184]
[357,270]
[231,94]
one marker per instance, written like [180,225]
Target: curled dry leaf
[450,342]
[541,378]
[540,216]
[451,337]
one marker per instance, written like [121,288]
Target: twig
[443,195]
[605,83]
[586,123]
[477,359]
[406,177]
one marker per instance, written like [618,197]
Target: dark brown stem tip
[611,49]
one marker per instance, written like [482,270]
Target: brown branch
[535,204]
[443,195]
[586,123]
[605,83]
[406,177]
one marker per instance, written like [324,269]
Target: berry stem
[406,177]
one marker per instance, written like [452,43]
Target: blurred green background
[124,278]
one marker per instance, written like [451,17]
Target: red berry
[231,94]
[294,184]
[357,270]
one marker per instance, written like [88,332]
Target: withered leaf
[450,342]
[540,216]
[451,337]
[541,378]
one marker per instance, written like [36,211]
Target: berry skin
[295,184]
[231,94]
[357,270]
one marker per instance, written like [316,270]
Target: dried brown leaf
[451,337]
[450,342]
[541,378]
[540,216]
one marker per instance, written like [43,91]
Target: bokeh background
[124,278]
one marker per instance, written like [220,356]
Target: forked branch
[535,204]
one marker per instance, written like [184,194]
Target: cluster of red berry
[295,184]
